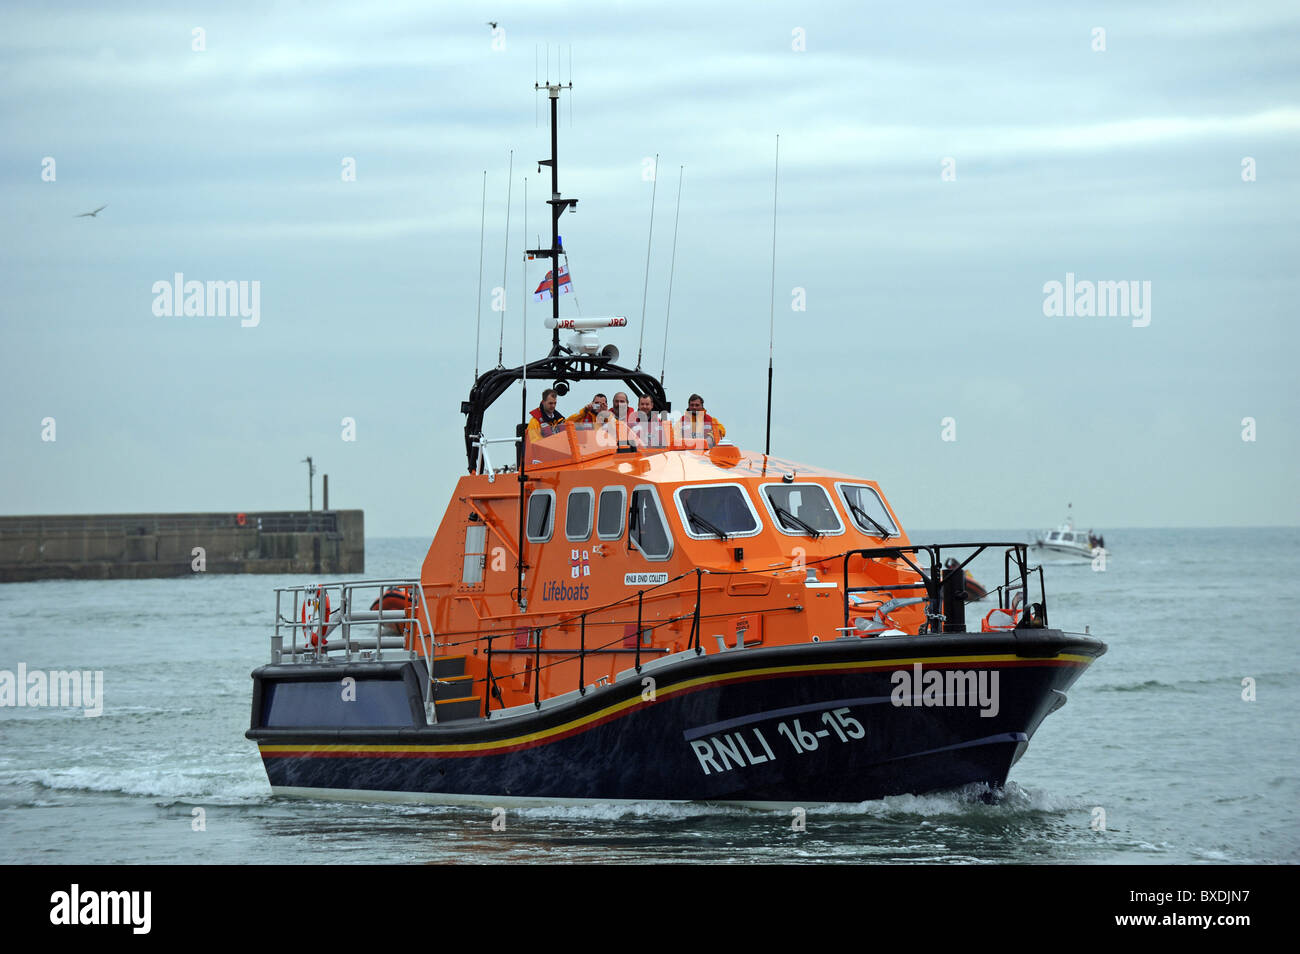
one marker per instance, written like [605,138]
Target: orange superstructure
[611,546]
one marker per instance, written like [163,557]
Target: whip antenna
[523,285]
[520,600]
[478,313]
[771,309]
[505,260]
[648,240]
[681,171]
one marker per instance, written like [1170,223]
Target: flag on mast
[544,290]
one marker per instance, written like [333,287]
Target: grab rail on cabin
[535,636]
[935,580]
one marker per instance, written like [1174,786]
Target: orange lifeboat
[620,615]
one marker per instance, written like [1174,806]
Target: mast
[771,303]
[561,365]
[558,204]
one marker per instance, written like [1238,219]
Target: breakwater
[139,545]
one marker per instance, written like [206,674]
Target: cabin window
[646,526]
[541,515]
[577,514]
[866,509]
[798,508]
[717,508]
[1053,536]
[609,520]
[475,554]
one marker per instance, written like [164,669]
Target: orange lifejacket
[584,418]
[540,427]
[650,430]
[695,426]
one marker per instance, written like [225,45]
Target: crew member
[650,429]
[698,424]
[544,419]
[615,421]
[591,415]
[622,409]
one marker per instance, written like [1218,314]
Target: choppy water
[1156,734]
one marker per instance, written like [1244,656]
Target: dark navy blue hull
[840,721]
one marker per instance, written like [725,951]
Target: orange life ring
[316,634]
[241,519]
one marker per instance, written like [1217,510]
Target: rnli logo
[557,591]
[579,564]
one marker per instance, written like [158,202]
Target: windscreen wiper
[695,518]
[884,534]
[786,515]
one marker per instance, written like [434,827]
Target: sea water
[1177,746]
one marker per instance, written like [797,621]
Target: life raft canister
[394,599]
[315,634]
[1002,618]
[241,519]
[999,620]
[398,600]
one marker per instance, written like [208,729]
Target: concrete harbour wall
[139,545]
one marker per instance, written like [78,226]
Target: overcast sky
[940,164]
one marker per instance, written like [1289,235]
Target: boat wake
[164,784]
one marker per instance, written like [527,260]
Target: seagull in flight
[492,24]
[92,214]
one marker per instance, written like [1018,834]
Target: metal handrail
[343,619]
[936,578]
[535,635]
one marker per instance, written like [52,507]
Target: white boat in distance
[1069,541]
